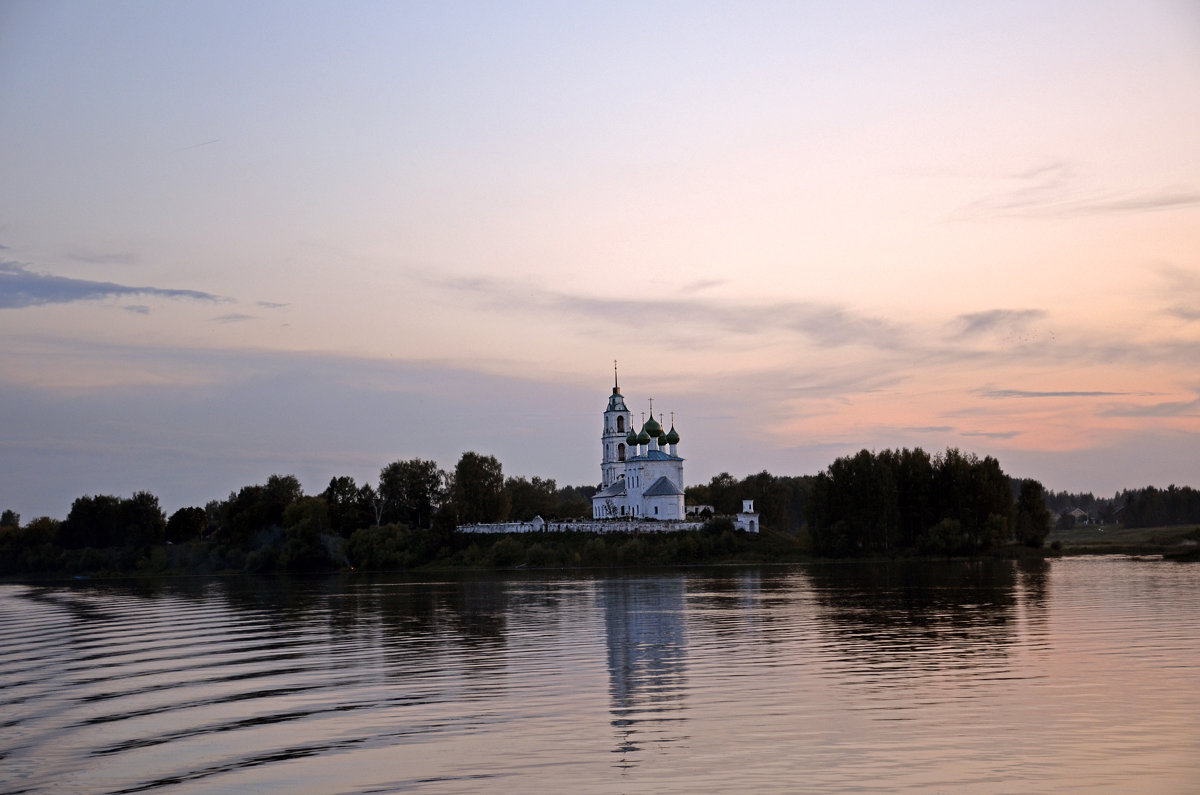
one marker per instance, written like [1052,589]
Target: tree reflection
[909,617]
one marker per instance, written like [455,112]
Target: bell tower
[612,439]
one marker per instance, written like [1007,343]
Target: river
[987,676]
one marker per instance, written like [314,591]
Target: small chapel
[641,471]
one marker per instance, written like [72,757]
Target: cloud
[1020,393]
[927,429]
[1180,408]
[684,322]
[992,434]
[104,258]
[1188,313]
[20,288]
[1056,190]
[233,317]
[138,309]
[271,305]
[700,285]
[996,320]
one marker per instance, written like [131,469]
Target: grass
[1115,538]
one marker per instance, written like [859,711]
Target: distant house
[1080,516]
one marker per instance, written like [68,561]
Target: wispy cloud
[1057,189]
[233,317]
[21,287]
[700,285]
[1178,408]
[138,309]
[1008,321]
[1188,313]
[1021,393]
[271,305]
[103,257]
[992,434]
[686,321]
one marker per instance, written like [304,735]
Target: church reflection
[647,661]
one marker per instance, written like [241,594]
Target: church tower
[616,427]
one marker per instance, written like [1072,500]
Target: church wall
[609,526]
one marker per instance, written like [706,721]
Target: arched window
[620,423]
[620,452]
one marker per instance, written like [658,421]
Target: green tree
[349,507]
[478,489]
[1033,518]
[10,519]
[141,520]
[186,524]
[411,491]
[724,492]
[93,521]
[574,502]
[530,498]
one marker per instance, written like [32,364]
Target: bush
[506,552]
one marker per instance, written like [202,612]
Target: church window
[656,510]
[620,452]
[620,423]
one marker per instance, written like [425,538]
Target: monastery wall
[612,526]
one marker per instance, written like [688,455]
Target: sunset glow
[315,238]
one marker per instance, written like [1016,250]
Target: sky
[239,239]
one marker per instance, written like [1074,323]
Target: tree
[10,519]
[530,498]
[259,507]
[478,489]
[186,524]
[107,521]
[723,491]
[1033,518]
[91,522]
[349,507]
[141,520]
[411,491]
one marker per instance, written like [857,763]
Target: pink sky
[387,231]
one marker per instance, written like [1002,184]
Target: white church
[641,483]
[641,471]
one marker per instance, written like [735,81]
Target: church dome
[644,436]
[632,438]
[672,436]
[652,427]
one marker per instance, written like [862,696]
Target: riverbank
[391,550]
[1115,539]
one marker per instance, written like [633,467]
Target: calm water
[1077,674]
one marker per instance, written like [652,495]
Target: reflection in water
[999,676]
[647,648]
[899,618]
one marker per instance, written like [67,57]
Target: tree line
[275,526]
[890,502]
[906,500]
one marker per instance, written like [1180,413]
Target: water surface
[991,676]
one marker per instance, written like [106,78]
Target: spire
[616,387]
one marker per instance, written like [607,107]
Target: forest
[894,502]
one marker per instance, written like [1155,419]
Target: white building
[641,471]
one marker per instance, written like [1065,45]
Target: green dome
[644,436]
[632,438]
[672,436]
[652,427]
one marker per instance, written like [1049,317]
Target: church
[641,471]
